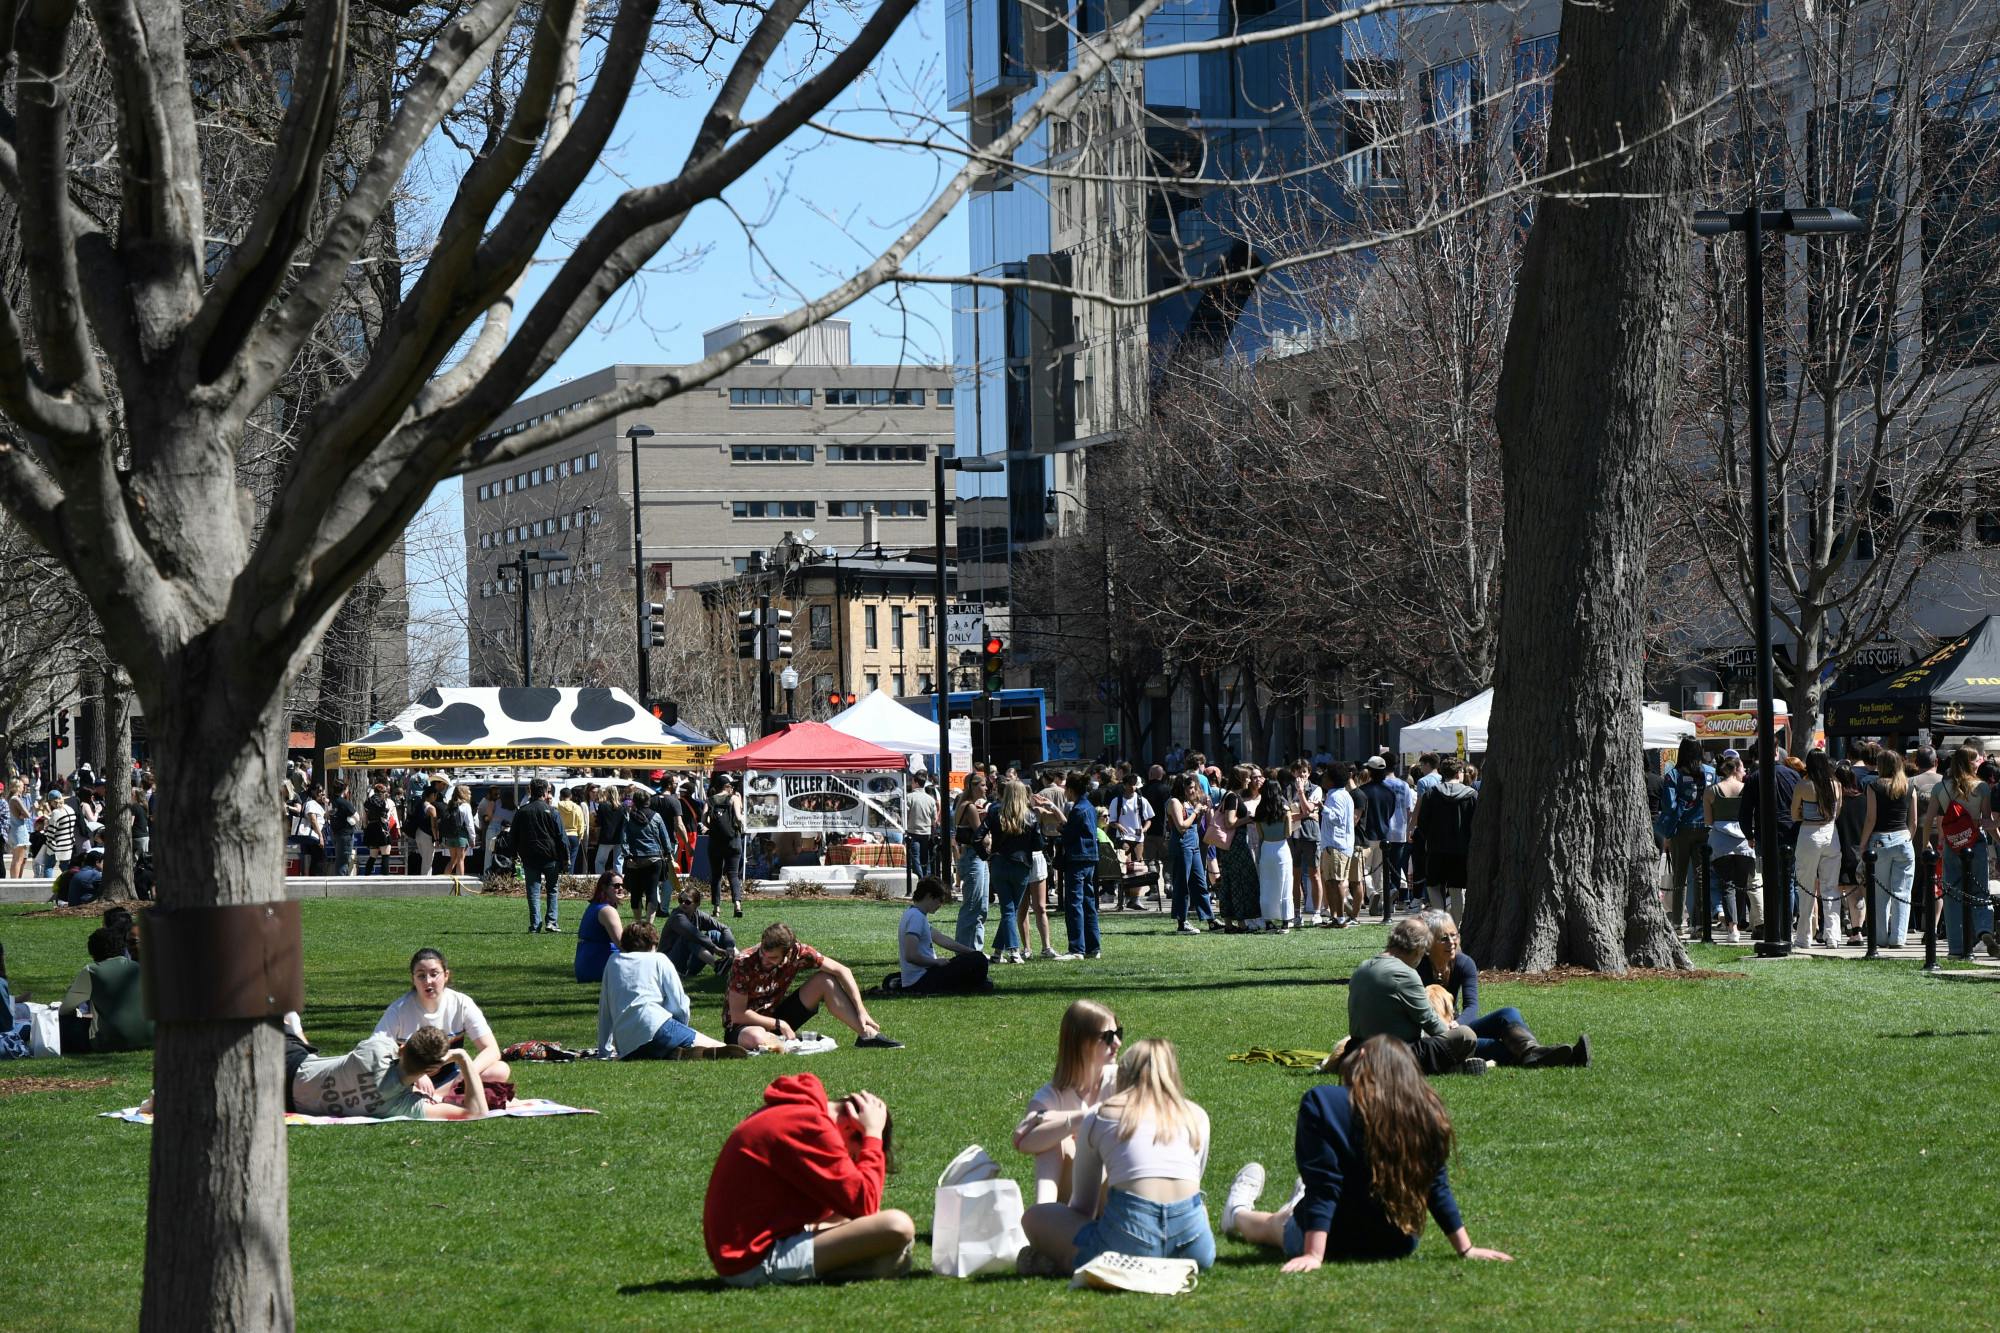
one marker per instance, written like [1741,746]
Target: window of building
[886,397]
[924,683]
[485,540]
[868,634]
[923,627]
[898,681]
[770,453]
[823,684]
[896,614]
[1961,221]
[822,625]
[945,396]
[742,564]
[873,681]
[565,522]
[882,508]
[878,453]
[773,508]
[596,517]
[770,397]
[509,485]
[549,473]
[562,468]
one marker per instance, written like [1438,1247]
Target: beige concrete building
[801,439]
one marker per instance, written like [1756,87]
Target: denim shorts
[790,1260]
[1145,1229]
[673,1035]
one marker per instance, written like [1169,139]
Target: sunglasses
[1111,1036]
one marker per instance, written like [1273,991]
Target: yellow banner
[523,756]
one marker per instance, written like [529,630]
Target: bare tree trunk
[1562,855]
[218,1249]
[118,851]
[343,668]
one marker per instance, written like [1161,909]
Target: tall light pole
[941,684]
[641,617]
[520,564]
[1753,222]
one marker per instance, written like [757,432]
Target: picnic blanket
[1289,1059]
[524,1107]
[806,1043]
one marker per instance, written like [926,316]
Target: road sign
[965,627]
[1111,733]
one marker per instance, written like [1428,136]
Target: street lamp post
[520,565]
[1753,222]
[941,683]
[640,618]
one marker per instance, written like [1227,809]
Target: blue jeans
[673,1035]
[1488,1027]
[1954,910]
[575,844]
[1895,878]
[685,954]
[542,877]
[1148,1230]
[1187,872]
[917,854]
[971,930]
[1081,910]
[1395,865]
[1010,881]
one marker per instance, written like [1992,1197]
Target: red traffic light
[993,646]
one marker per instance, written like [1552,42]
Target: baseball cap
[1377,762]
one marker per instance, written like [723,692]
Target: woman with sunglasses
[1086,1069]
[597,937]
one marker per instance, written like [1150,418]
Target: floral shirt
[763,986]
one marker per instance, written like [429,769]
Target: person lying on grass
[796,1194]
[383,1080]
[962,972]
[1148,1145]
[432,1003]
[1371,1158]
[642,1010]
[1503,1034]
[756,1011]
[1086,1073]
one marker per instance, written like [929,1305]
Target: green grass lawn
[1802,1146]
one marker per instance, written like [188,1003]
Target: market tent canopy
[1954,691]
[1662,731]
[511,727]
[809,747]
[880,720]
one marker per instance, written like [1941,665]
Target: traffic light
[749,636]
[992,671]
[666,710]
[62,729]
[780,646]
[656,625]
[839,700]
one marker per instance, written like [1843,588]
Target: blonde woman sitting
[1086,1072]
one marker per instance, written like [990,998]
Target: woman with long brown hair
[1016,840]
[968,832]
[1240,890]
[1890,830]
[1371,1160]
[1816,867]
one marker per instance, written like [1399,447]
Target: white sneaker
[1243,1192]
[1069,957]
[1729,937]
[1048,953]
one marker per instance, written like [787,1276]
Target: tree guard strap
[208,964]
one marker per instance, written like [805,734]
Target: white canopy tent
[1662,731]
[880,720]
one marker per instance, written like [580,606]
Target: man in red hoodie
[797,1191]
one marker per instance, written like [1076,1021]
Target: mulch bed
[94,911]
[14,1087]
[1558,976]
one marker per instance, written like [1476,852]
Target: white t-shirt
[914,923]
[920,810]
[312,818]
[365,1081]
[456,1014]
[1128,813]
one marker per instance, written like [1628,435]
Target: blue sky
[817,208]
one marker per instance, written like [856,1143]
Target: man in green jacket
[1385,996]
[110,987]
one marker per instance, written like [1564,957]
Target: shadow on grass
[678,1286]
[1926,1033]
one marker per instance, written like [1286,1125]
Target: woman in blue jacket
[1371,1160]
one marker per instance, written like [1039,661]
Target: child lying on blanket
[379,1079]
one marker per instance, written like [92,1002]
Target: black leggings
[644,882]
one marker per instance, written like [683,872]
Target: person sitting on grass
[1385,997]
[1503,1035]
[757,1012]
[382,1079]
[597,935]
[1086,1073]
[1147,1144]
[109,986]
[796,1193]
[695,939]
[962,972]
[431,1002]
[642,1012]
[1371,1158]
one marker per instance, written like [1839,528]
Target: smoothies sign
[1728,724]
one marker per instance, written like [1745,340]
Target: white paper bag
[976,1228]
[44,1029]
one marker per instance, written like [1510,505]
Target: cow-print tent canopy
[516,727]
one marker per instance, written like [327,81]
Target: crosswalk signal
[62,729]
[666,710]
[749,636]
[656,624]
[781,636]
[993,669]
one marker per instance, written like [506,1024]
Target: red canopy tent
[813,747]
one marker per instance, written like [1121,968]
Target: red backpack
[1960,829]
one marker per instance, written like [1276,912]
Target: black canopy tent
[1953,692]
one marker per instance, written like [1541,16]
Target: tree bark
[1563,853]
[218,1250]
